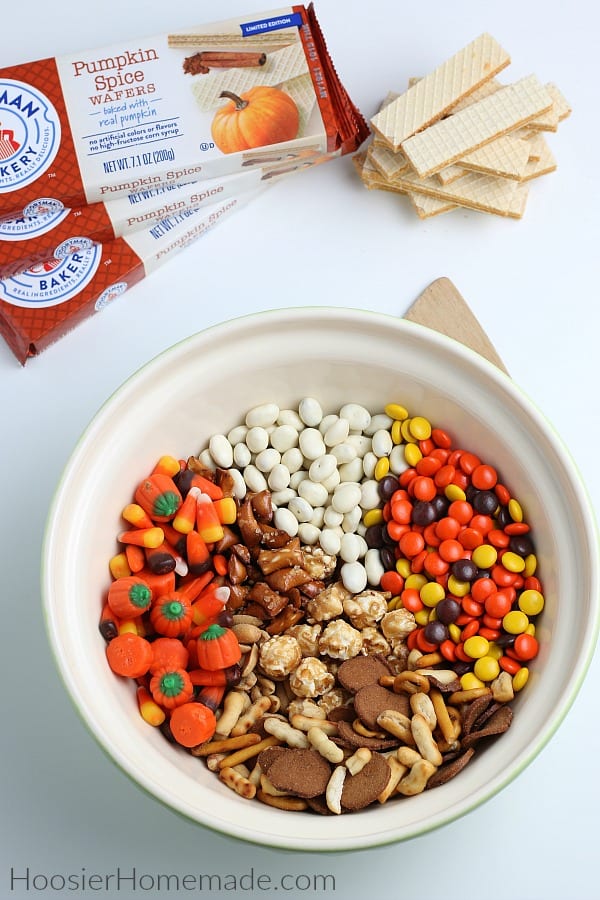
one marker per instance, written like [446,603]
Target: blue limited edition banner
[262,25]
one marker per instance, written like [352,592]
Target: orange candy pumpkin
[261,116]
[218,648]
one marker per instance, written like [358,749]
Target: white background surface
[319,238]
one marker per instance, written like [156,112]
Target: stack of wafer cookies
[460,138]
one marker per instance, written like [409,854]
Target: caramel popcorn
[318,564]
[329,604]
[311,678]
[340,640]
[308,638]
[337,696]
[397,625]
[365,609]
[374,642]
[279,656]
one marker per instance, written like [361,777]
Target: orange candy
[192,724]
[129,655]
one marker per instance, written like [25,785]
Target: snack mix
[331,610]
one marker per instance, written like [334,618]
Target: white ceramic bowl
[204,385]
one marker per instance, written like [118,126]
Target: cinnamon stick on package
[191,105]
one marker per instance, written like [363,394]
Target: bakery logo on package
[38,217]
[111,293]
[55,280]
[29,134]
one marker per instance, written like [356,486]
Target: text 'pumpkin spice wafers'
[108,156]
[459,138]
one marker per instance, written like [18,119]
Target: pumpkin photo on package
[259,117]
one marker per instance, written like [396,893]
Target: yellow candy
[393,603]
[431,593]
[395,411]
[420,428]
[403,568]
[530,565]
[405,431]
[454,632]
[531,602]
[469,681]
[513,562]
[382,467]
[422,617]
[453,492]
[373,517]
[487,668]
[520,679]
[412,454]
[515,622]
[458,588]
[484,556]
[495,651]
[396,432]
[530,629]
[515,510]
[476,646]
[415,581]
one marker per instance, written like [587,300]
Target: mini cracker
[435,94]
[456,136]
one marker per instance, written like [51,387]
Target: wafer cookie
[388,163]
[536,143]
[544,163]
[481,192]
[559,101]
[451,139]
[282,65]
[450,173]
[435,94]
[426,207]
[196,41]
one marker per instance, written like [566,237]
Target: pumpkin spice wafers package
[46,227]
[181,107]
[45,301]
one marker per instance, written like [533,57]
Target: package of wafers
[46,227]
[45,301]
[186,106]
